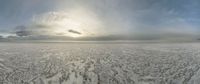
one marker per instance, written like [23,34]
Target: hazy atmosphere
[99,41]
[100,19]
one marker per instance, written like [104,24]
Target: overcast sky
[120,19]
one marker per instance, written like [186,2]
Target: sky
[100,19]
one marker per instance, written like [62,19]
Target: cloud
[74,31]
[22,31]
[77,21]
[1,37]
[104,19]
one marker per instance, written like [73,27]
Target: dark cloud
[74,31]
[1,37]
[22,31]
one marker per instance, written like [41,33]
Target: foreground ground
[68,63]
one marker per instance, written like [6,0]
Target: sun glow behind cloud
[79,19]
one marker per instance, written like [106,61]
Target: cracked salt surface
[65,63]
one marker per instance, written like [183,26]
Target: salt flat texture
[65,63]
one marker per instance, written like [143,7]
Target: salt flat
[102,63]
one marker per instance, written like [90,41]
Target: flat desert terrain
[99,63]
